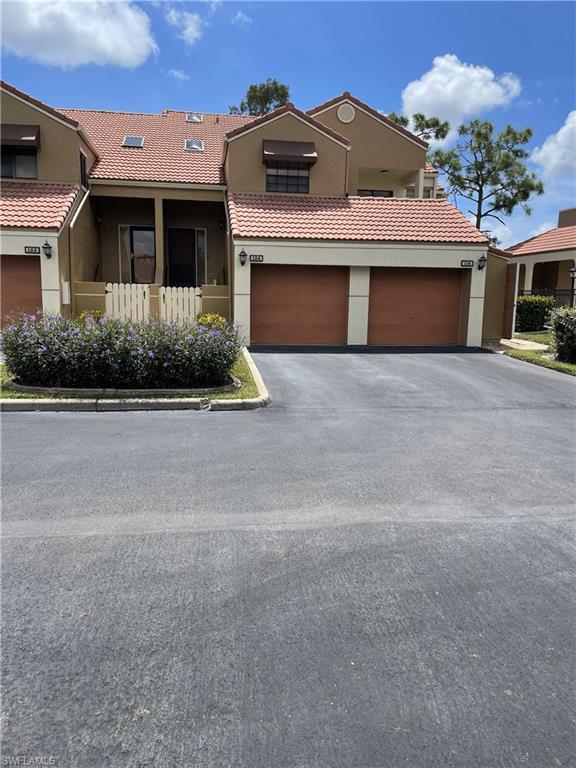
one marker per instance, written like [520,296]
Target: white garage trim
[360,257]
[14,243]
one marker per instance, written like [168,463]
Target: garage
[410,306]
[21,283]
[298,304]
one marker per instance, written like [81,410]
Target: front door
[181,257]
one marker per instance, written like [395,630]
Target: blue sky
[507,62]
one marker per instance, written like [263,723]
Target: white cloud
[71,34]
[455,91]
[178,74]
[241,19]
[189,24]
[557,156]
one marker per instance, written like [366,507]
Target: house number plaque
[256,257]
[466,263]
[31,249]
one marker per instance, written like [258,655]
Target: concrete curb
[146,404]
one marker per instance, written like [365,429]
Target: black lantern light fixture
[242,256]
[482,261]
[572,274]
[47,248]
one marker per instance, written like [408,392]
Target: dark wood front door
[182,257]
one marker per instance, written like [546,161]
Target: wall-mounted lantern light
[242,256]
[482,261]
[572,274]
[47,248]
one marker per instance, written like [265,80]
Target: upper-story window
[83,171]
[376,193]
[286,176]
[426,192]
[19,163]
[20,144]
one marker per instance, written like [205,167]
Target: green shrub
[213,319]
[563,323]
[532,312]
[54,351]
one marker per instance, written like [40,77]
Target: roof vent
[133,141]
[346,113]
[194,145]
[194,117]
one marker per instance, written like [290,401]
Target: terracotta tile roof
[352,218]
[35,205]
[38,103]
[288,108]
[162,158]
[559,239]
[346,96]
[430,168]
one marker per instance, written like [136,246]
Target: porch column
[528,276]
[419,187]
[159,239]
[358,299]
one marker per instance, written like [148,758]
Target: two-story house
[319,227]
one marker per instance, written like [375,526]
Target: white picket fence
[129,301]
[132,302]
[180,304]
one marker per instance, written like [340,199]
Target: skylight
[194,145]
[133,141]
[194,117]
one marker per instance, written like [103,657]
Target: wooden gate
[130,301]
[178,305]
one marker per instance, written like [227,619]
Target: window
[137,254]
[375,193]
[287,177]
[19,163]
[194,145]
[194,117]
[133,141]
[426,194]
[83,171]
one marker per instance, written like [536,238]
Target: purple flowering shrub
[55,351]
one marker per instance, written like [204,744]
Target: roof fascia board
[399,244]
[357,106]
[155,184]
[279,117]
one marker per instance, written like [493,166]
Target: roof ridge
[285,109]
[39,104]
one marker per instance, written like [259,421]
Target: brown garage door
[414,306]
[21,284]
[298,305]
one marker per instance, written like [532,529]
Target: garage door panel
[414,306]
[298,304]
[21,284]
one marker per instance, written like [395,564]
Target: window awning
[289,151]
[20,135]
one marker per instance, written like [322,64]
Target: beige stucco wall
[360,257]
[374,145]
[567,217]
[563,280]
[85,242]
[59,154]
[495,292]
[245,171]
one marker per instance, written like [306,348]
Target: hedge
[532,312]
[563,322]
[54,351]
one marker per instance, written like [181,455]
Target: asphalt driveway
[375,571]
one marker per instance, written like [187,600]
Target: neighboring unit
[324,227]
[546,260]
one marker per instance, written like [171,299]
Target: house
[318,227]
[545,260]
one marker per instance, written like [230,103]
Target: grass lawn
[241,370]
[540,337]
[543,359]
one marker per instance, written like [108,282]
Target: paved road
[376,571]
